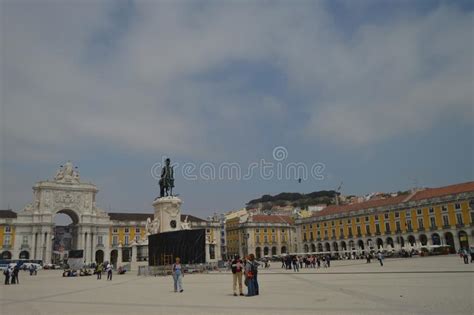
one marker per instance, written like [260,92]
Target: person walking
[178,275]
[296,264]
[108,269]
[465,256]
[283,262]
[237,267]
[380,258]
[328,260]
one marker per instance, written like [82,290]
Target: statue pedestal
[168,214]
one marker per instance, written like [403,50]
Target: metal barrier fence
[168,269]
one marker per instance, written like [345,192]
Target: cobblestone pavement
[429,285]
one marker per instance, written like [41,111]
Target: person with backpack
[251,276]
[237,267]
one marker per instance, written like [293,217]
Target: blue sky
[380,92]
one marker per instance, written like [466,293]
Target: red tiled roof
[7,214]
[420,195]
[262,218]
[443,191]
[333,209]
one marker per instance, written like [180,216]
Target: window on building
[432,222]
[459,218]
[115,230]
[385,216]
[409,225]
[407,214]
[258,230]
[137,230]
[257,238]
[127,239]
[325,233]
[350,231]
[310,226]
[8,229]
[377,228]
[444,208]
[311,235]
[398,226]
[349,221]
[100,240]
[137,238]
[367,229]
[397,214]
[420,223]
[25,240]
[317,225]
[341,231]
[366,219]
[274,237]
[376,218]
[264,230]
[283,230]
[418,211]
[431,210]
[358,230]
[457,206]
[265,238]
[273,230]
[115,240]
[319,233]
[445,220]
[325,224]
[127,230]
[387,227]
[333,233]
[6,239]
[357,220]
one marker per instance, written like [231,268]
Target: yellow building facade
[431,217]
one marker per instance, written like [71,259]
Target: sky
[377,95]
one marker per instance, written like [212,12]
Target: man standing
[237,266]
[100,267]
[6,273]
[16,271]
[109,271]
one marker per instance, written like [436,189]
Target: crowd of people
[11,275]
[310,261]
[465,254]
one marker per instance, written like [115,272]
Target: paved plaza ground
[430,285]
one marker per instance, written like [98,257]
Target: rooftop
[427,193]
[7,214]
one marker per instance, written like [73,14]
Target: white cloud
[60,93]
